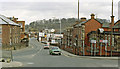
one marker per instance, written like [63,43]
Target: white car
[46,46]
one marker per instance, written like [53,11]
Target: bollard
[8,60]
[2,60]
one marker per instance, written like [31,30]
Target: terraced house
[21,24]
[9,33]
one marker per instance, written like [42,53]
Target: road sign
[93,41]
[104,41]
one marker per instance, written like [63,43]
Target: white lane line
[37,52]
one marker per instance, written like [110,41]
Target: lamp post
[60,31]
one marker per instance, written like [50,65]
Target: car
[46,46]
[54,51]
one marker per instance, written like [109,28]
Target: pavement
[11,64]
[72,55]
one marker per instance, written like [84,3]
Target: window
[112,40]
[114,29]
[0,29]
[10,41]
[10,30]
[0,41]
[108,40]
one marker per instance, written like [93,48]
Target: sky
[32,10]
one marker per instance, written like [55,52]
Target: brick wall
[91,25]
[10,35]
[5,35]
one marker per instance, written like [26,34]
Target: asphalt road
[36,56]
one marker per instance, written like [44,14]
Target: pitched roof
[2,21]
[117,21]
[117,25]
[106,25]
[86,22]
[5,20]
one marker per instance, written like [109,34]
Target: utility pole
[112,24]
[78,10]
[60,32]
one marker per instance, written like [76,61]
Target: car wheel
[59,53]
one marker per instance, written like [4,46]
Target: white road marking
[30,63]
[109,65]
[37,52]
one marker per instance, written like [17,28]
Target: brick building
[9,33]
[21,24]
[77,39]
[110,44]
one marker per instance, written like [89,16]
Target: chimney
[83,19]
[92,16]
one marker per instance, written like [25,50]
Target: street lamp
[60,32]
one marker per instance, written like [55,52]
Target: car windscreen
[55,48]
[45,45]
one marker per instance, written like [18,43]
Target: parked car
[46,46]
[54,50]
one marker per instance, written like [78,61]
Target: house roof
[2,21]
[5,20]
[117,25]
[106,25]
[105,32]
[87,21]
[117,21]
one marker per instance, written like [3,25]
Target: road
[36,56]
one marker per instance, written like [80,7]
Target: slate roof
[5,20]
[2,21]
[105,32]
[117,25]
[106,25]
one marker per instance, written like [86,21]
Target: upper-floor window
[0,30]
[0,41]
[114,29]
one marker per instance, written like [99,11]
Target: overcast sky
[32,10]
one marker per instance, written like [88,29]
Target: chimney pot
[83,19]
[92,16]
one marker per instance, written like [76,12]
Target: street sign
[101,41]
[93,41]
[104,41]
